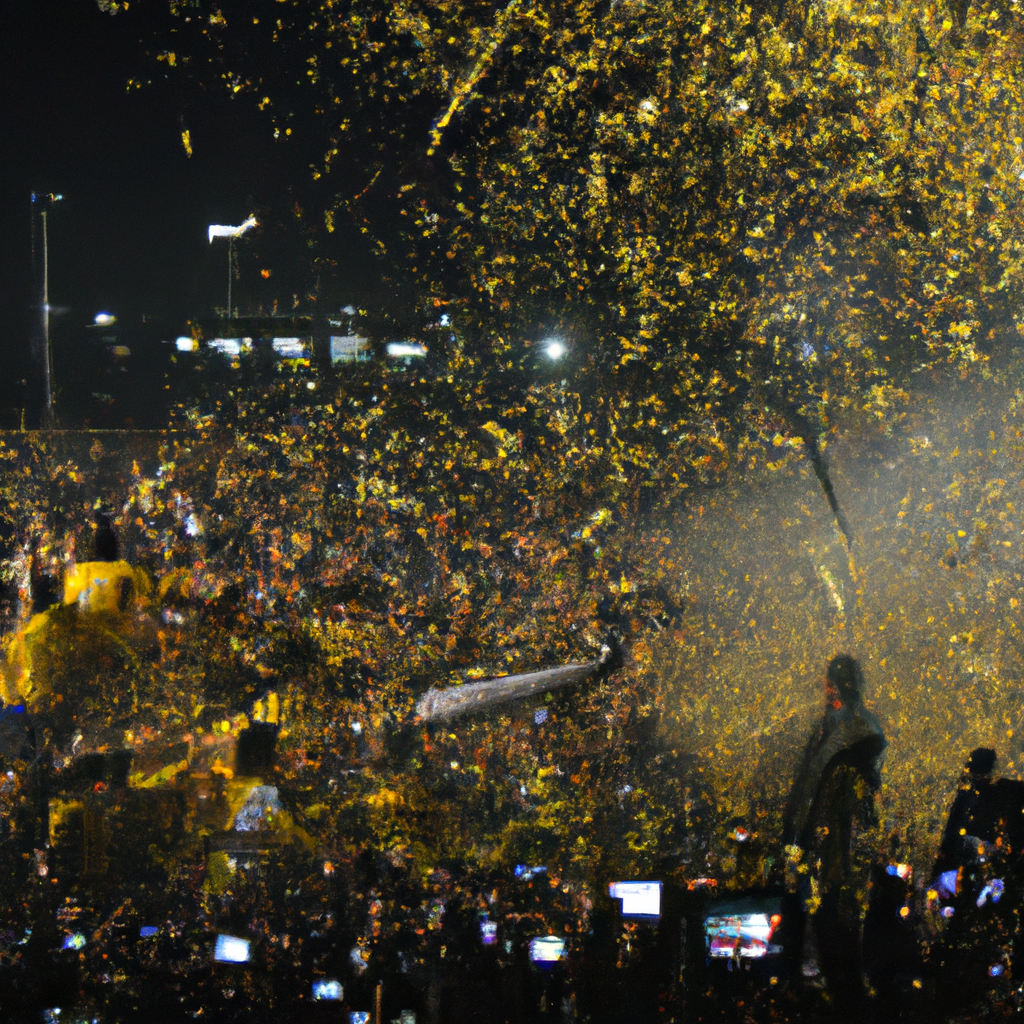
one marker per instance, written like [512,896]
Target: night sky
[130,235]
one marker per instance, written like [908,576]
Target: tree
[738,217]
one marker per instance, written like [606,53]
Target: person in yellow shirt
[73,660]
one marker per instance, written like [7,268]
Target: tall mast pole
[48,411]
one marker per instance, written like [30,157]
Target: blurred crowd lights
[329,989]
[488,930]
[524,873]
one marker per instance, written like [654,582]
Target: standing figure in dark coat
[831,811]
[973,816]
[977,877]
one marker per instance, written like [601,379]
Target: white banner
[227,231]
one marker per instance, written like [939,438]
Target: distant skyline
[131,232]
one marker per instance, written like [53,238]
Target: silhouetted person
[977,875]
[105,540]
[892,953]
[830,807]
[256,750]
[44,585]
[973,815]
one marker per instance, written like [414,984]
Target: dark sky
[130,235]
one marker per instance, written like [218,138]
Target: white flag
[227,231]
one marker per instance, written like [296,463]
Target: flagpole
[48,411]
[230,232]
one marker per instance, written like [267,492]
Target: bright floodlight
[104,319]
[227,231]
[184,344]
[554,348]
[406,348]
[231,950]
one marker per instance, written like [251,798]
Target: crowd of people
[857,932]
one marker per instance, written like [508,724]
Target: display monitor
[746,935]
[231,950]
[289,348]
[547,949]
[639,899]
[349,348]
[231,347]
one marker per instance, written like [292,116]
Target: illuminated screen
[348,348]
[327,989]
[547,949]
[639,899]
[231,346]
[744,935]
[359,1017]
[289,348]
[231,950]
